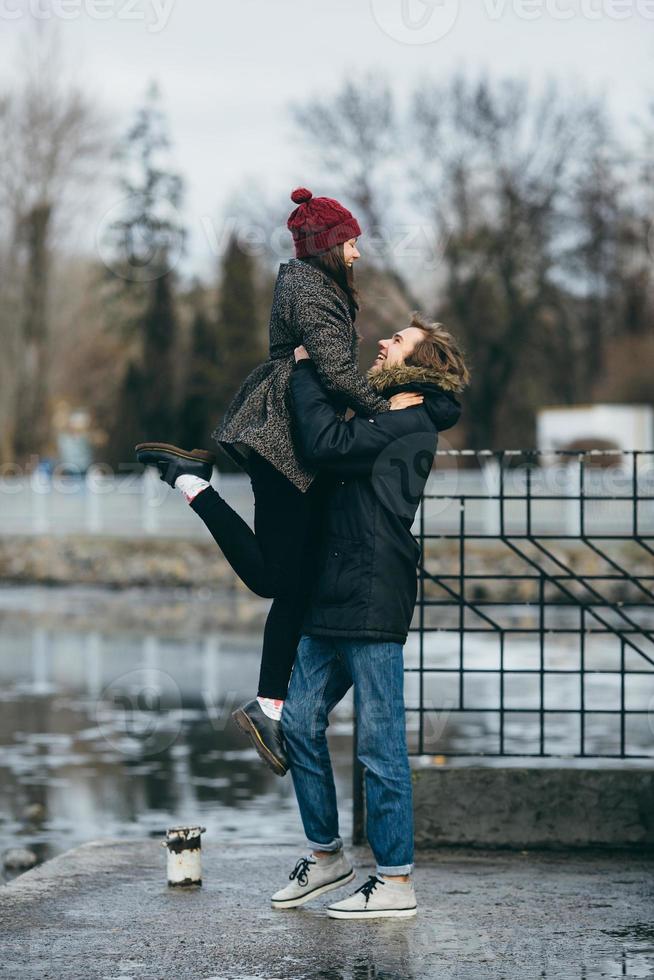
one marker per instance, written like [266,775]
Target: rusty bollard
[184,864]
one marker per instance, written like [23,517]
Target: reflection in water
[396,962]
[111,735]
[104,734]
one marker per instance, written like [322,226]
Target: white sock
[190,485]
[272,707]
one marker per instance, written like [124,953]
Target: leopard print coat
[308,308]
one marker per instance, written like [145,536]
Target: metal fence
[138,505]
[533,634]
[565,666]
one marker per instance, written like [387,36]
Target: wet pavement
[104,912]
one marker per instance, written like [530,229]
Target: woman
[315,303]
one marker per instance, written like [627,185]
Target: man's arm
[327,441]
[325,337]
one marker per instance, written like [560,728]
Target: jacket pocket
[340,576]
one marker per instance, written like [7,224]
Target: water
[105,733]
[111,728]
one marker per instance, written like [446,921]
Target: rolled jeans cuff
[399,869]
[334,845]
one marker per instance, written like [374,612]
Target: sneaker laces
[368,888]
[300,871]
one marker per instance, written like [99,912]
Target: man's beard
[378,366]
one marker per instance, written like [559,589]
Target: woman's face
[350,252]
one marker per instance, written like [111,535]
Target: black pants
[274,561]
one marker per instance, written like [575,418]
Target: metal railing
[533,634]
[588,586]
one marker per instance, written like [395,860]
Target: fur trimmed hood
[438,389]
[402,375]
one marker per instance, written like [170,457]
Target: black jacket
[308,308]
[366,582]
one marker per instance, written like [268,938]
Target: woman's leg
[261,557]
[284,623]
[273,561]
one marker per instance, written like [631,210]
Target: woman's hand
[405,399]
[301,354]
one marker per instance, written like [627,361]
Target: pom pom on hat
[300,195]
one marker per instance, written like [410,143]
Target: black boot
[173,462]
[265,734]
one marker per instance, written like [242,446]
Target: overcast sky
[228,70]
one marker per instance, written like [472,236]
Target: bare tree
[51,135]
[355,136]
[499,168]
[9,287]
[494,172]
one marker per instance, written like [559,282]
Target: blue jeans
[323,672]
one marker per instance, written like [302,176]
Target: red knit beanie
[319,223]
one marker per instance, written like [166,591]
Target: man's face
[397,348]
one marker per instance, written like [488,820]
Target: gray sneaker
[379,898]
[312,877]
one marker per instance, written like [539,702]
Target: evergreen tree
[241,344]
[199,409]
[146,242]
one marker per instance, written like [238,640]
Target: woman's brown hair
[332,263]
[438,349]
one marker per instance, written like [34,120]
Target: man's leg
[378,673]
[319,680]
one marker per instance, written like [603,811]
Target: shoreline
[197,569]
[173,611]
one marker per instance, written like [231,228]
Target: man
[360,612]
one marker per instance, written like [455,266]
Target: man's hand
[301,354]
[405,399]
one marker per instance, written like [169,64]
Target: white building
[624,427]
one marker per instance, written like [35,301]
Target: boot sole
[373,914]
[293,903]
[201,455]
[244,723]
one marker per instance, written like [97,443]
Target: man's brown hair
[438,349]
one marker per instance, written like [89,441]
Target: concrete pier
[534,807]
[103,912]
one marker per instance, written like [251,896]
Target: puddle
[108,735]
